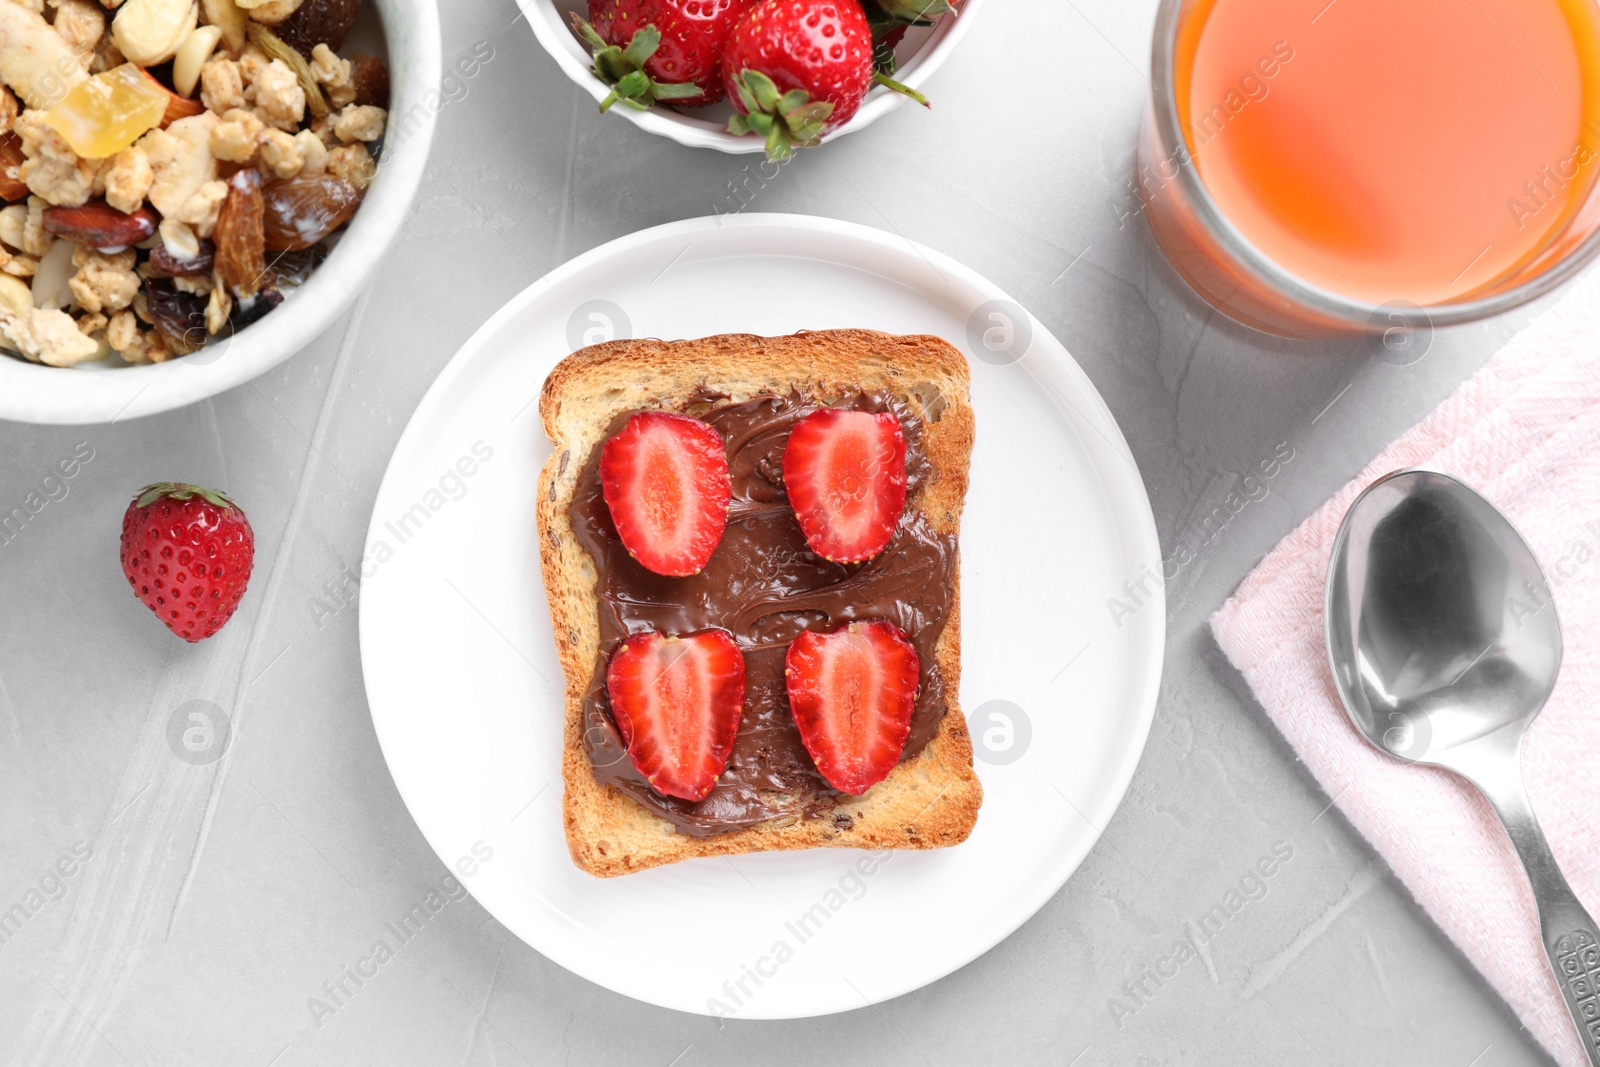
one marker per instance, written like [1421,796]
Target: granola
[151,110]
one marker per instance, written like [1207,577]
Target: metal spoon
[1445,645]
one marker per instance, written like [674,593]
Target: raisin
[254,308]
[295,268]
[180,317]
[164,264]
[371,79]
[240,235]
[302,211]
[318,22]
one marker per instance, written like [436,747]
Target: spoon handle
[1571,936]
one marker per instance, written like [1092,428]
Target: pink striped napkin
[1525,432]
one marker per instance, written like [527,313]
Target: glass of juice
[1315,168]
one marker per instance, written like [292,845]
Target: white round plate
[921,53]
[466,693]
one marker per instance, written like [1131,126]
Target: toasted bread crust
[929,801]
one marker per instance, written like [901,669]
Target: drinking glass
[1234,276]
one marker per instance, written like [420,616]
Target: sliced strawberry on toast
[665,479]
[845,473]
[677,702]
[852,693]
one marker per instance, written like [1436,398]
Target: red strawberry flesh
[852,693]
[665,480]
[677,702]
[845,473]
[188,553]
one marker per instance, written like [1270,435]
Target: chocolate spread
[764,586]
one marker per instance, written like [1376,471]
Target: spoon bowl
[1441,630]
[1445,645]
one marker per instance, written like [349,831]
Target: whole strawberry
[187,552]
[660,50]
[795,68]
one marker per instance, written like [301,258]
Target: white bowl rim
[34,393]
[694,132]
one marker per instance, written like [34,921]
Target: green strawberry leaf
[786,121]
[181,491]
[623,68]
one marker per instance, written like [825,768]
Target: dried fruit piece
[97,224]
[164,264]
[254,308]
[148,32]
[371,79]
[240,257]
[275,48]
[303,210]
[295,268]
[11,157]
[319,22]
[179,317]
[110,111]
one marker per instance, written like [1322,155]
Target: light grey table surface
[216,900]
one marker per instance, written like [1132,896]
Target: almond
[269,12]
[226,16]
[192,55]
[99,225]
[148,32]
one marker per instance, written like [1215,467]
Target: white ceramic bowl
[921,53]
[113,391]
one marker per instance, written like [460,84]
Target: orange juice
[1410,150]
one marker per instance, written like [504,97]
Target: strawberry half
[852,693]
[665,479]
[677,702]
[845,473]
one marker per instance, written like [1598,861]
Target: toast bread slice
[928,801]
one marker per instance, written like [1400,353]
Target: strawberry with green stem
[667,51]
[187,552]
[797,68]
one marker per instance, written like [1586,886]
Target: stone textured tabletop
[208,905]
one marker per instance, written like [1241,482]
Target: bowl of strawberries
[751,75]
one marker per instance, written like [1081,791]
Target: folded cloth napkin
[1524,432]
